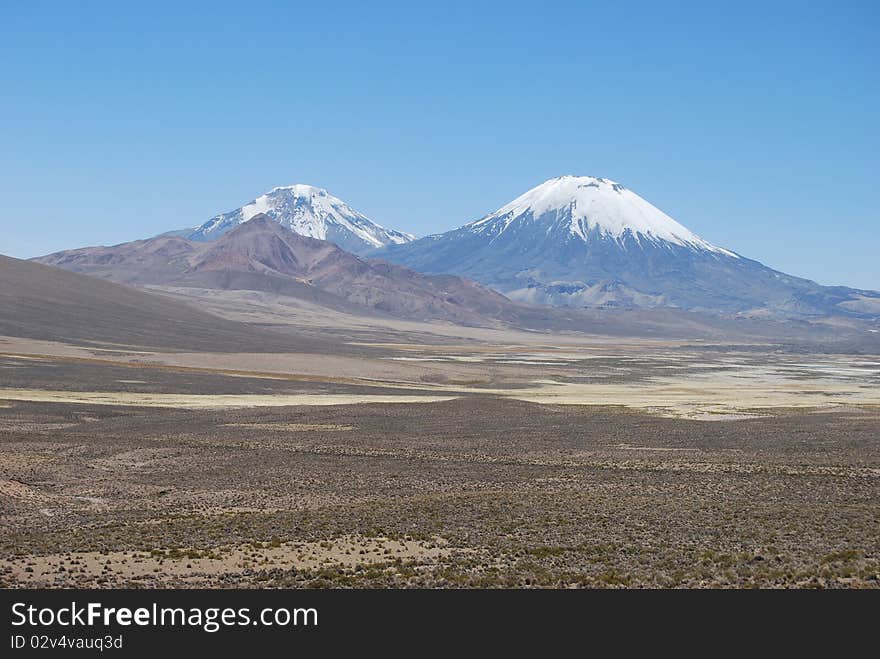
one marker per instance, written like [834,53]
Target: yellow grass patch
[203,401]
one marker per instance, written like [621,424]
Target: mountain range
[574,242]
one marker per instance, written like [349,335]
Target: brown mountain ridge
[262,255]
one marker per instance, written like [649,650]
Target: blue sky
[754,124]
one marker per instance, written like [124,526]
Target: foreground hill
[590,242]
[41,302]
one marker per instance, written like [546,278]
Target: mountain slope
[307,211]
[261,254]
[586,242]
[41,302]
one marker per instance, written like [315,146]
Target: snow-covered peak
[309,211]
[588,204]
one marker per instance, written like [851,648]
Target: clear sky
[755,124]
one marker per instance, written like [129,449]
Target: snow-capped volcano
[585,206]
[308,211]
[584,241]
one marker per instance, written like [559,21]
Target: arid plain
[398,453]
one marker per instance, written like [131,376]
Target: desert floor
[429,459]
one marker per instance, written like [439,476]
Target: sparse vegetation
[477,492]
